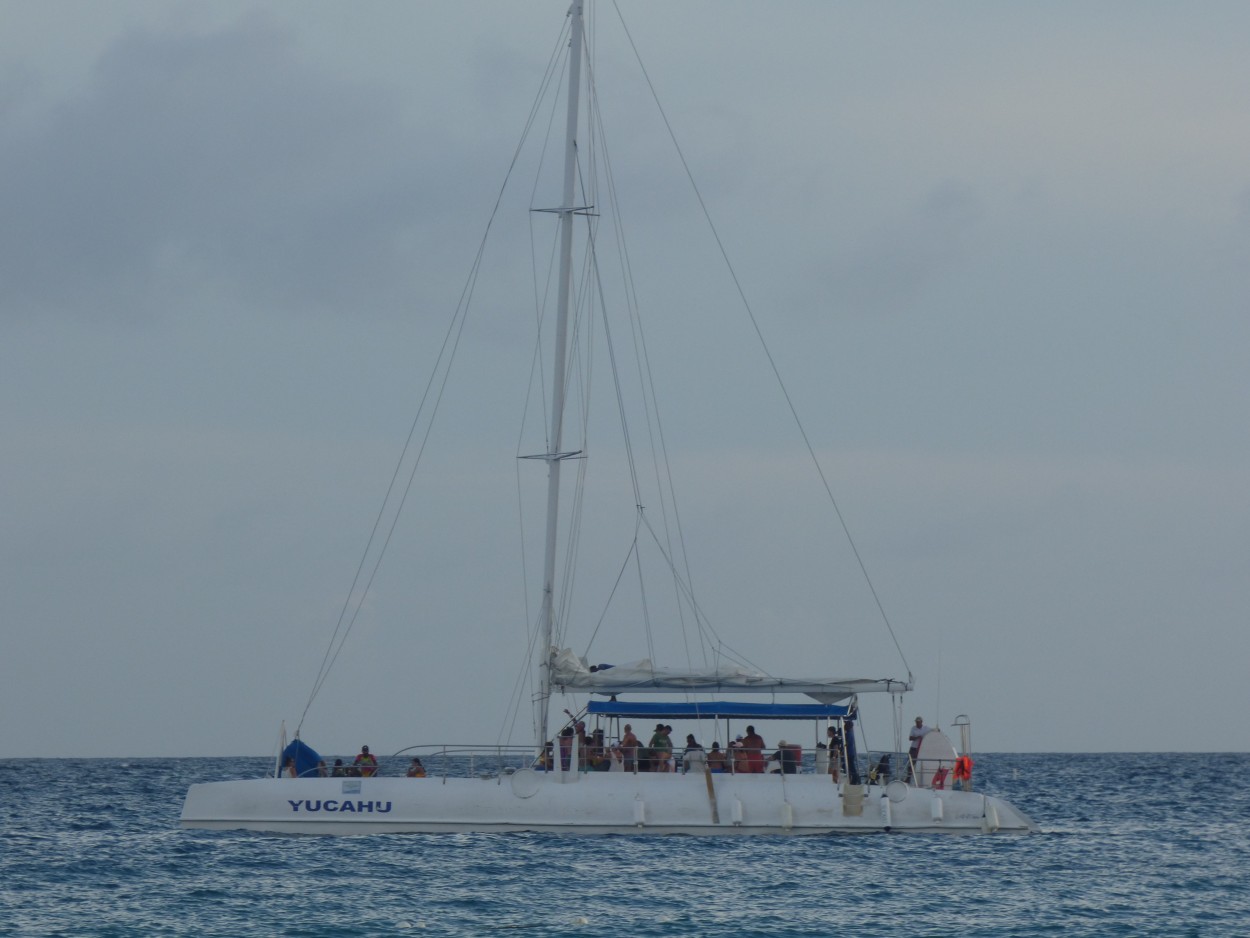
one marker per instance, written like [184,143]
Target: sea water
[1131,844]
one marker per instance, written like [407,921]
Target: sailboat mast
[554,456]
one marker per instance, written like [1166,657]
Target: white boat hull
[592,803]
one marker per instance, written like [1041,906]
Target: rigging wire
[764,344]
[620,575]
[397,491]
[651,411]
[349,615]
[709,642]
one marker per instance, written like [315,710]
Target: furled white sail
[569,672]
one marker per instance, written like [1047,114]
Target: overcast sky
[1000,253]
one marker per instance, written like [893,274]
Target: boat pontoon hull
[593,803]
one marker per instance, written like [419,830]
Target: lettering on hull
[310,806]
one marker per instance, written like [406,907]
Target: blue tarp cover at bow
[305,757]
[716,709]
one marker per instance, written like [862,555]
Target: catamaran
[585,772]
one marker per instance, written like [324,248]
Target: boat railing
[934,773]
[881,768]
[463,760]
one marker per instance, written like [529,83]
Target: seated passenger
[545,759]
[596,754]
[791,755]
[740,763]
[717,763]
[881,774]
[416,769]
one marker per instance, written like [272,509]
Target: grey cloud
[896,262]
[198,153]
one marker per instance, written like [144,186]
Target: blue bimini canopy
[715,710]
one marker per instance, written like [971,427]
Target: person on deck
[917,733]
[753,744]
[583,745]
[339,770]
[694,759]
[416,769]
[629,749]
[834,735]
[366,762]
[661,747]
[913,741]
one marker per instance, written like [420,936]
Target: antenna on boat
[554,457]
